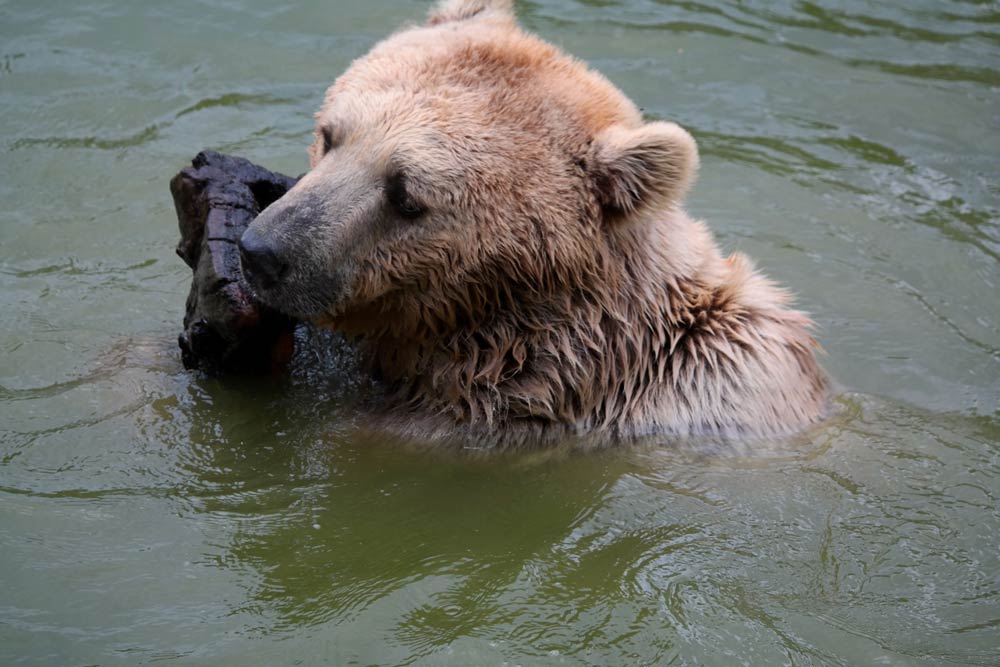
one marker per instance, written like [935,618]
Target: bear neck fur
[630,343]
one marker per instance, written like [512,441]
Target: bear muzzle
[261,260]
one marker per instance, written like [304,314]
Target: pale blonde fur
[555,284]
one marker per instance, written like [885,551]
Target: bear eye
[328,141]
[410,209]
[401,200]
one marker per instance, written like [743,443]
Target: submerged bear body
[503,235]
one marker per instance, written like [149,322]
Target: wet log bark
[225,329]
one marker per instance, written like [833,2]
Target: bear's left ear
[460,10]
[644,168]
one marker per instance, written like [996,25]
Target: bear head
[459,167]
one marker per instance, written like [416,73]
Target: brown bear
[502,233]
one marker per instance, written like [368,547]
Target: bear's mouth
[298,293]
[353,321]
[299,307]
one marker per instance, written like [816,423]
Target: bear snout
[263,265]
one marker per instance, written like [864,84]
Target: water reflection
[856,543]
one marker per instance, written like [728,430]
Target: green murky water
[148,515]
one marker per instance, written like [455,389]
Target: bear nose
[261,262]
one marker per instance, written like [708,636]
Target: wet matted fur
[502,233]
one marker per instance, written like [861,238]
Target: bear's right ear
[447,11]
[648,167]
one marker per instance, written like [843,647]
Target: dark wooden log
[226,330]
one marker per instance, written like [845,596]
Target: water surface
[151,515]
